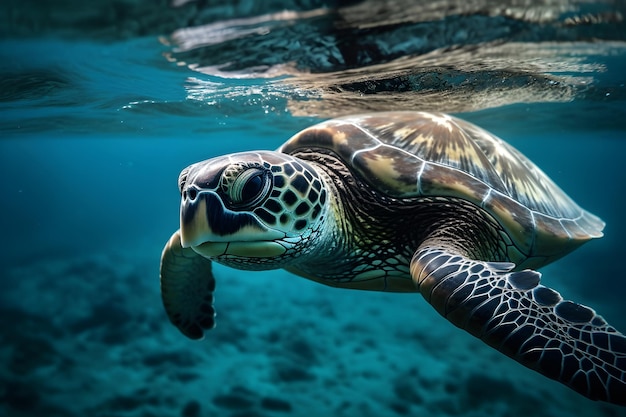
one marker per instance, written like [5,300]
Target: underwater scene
[104,103]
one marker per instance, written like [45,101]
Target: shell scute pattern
[435,181]
[333,135]
[435,139]
[396,174]
[514,217]
[404,155]
[523,180]
[454,143]
[549,230]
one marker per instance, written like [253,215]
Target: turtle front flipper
[187,286]
[528,322]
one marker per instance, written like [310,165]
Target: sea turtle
[401,201]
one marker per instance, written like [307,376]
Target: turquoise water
[99,112]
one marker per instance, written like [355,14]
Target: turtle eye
[252,187]
[248,188]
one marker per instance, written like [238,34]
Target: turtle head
[251,210]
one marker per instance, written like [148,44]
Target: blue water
[97,122]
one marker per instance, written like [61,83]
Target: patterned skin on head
[264,197]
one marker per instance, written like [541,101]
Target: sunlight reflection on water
[399,55]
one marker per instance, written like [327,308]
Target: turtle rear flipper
[528,322]
[187,286]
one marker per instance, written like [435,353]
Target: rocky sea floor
[87,336]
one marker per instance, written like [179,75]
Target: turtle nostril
[192,193]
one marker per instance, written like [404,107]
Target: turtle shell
[415,154]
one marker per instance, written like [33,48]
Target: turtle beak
[204,218]
[194,223]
